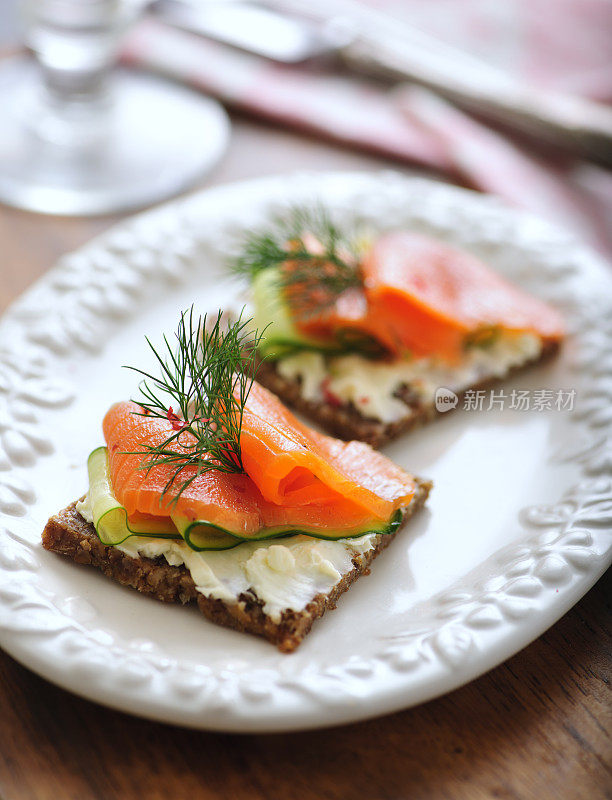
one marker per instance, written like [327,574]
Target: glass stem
[75,43]
[82,86]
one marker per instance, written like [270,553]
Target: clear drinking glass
[78,136]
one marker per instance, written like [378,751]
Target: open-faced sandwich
[361,332]
[208,489]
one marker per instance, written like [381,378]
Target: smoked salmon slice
[294,476]
[293,464]
[432,295]
[425,297]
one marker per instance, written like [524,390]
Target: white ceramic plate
[517,528]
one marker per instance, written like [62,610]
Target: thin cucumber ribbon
[113,525]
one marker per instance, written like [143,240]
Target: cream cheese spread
[372,386]
[84,508]
[283,576]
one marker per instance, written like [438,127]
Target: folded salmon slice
[295,465]
[424,296]
[432,295]
[294,476]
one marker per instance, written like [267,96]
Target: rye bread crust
[68,534]
[346,422]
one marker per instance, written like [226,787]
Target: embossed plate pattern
[518,526]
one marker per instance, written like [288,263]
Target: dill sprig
[204,380]
[315,261]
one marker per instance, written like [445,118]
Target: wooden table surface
[535,727]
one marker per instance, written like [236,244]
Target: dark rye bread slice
[68,534]
[346,422]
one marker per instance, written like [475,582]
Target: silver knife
[254,27]
[373,43]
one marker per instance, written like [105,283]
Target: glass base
[151,141]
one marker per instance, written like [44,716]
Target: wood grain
[536,727]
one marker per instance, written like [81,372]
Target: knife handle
[570,122]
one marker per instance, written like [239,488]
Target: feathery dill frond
[203,381]
[315,261]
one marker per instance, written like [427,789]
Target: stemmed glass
[78,136]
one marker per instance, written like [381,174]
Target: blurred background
[131,103]
[123,103]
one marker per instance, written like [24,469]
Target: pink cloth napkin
[415,126]
[559,45]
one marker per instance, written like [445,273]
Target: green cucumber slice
[110,518]
[282,338]
[112,525]
[272,314]
[200,535]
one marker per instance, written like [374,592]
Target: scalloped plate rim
[377,700]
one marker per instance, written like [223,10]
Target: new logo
[445,399]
